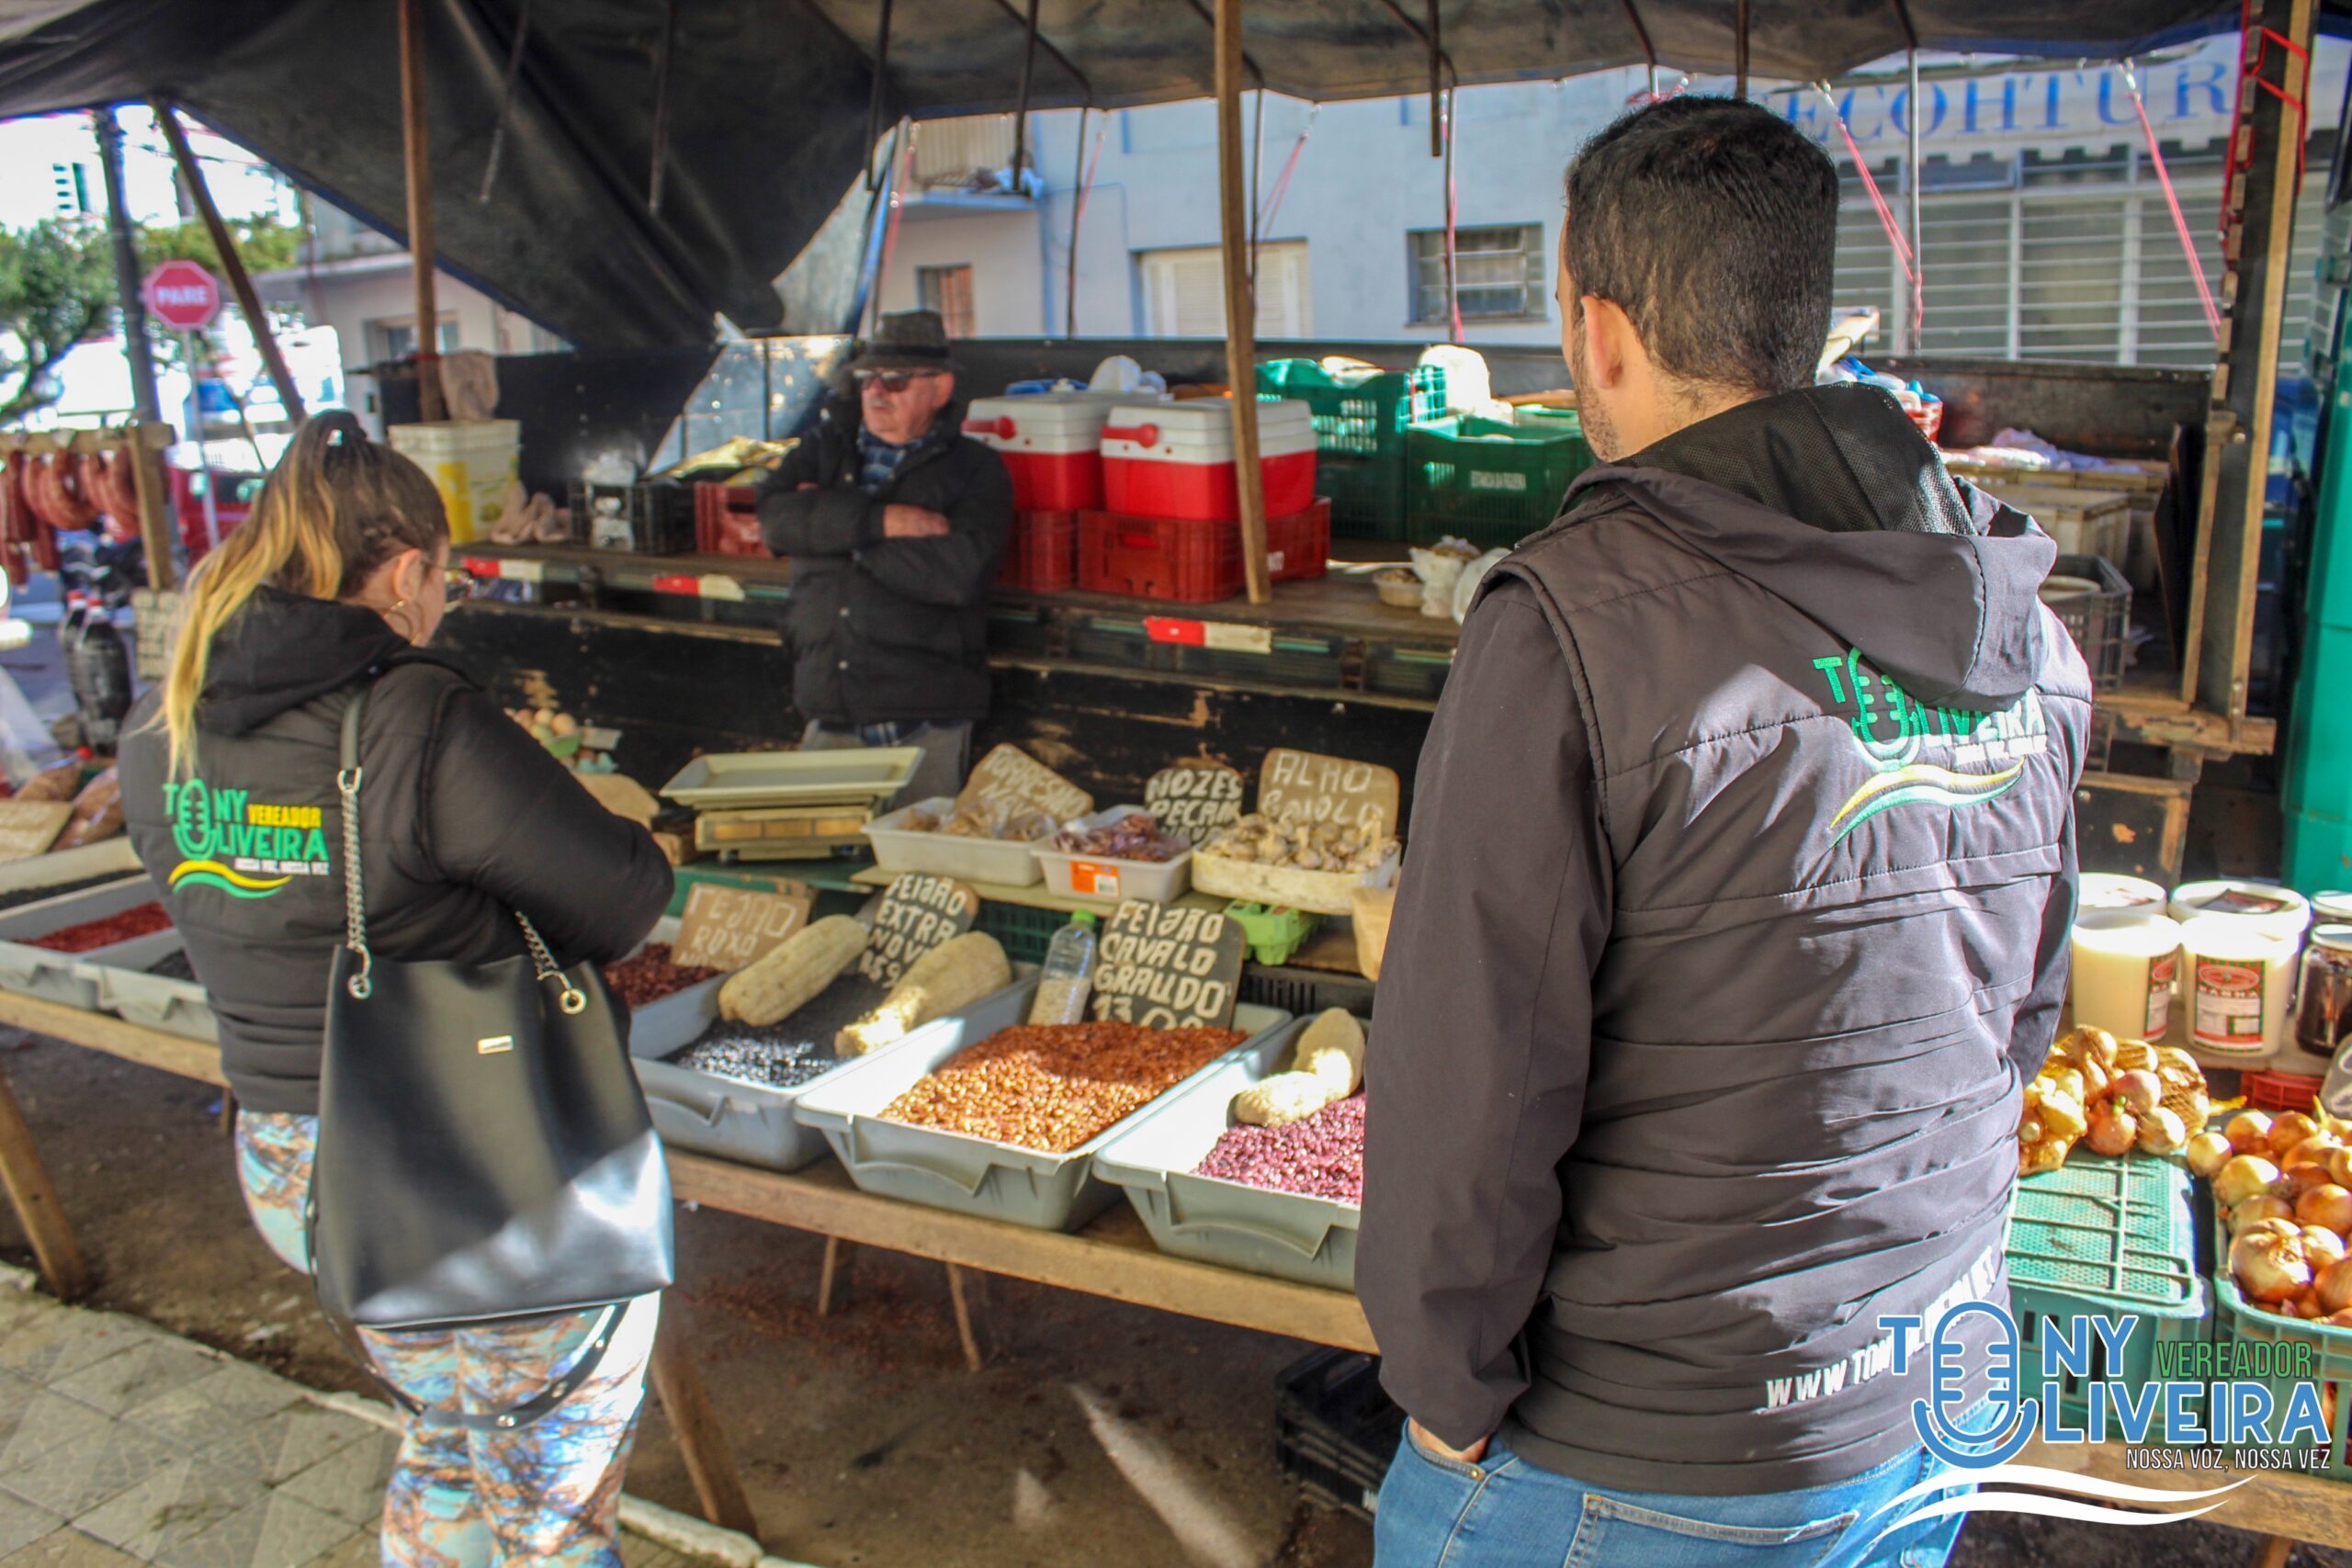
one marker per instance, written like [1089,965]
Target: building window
[948,290]
[70,188]
[389,341]
[1184,291]
[1498,273]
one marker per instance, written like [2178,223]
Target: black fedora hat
[909,340]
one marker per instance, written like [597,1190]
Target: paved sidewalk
[121,1444]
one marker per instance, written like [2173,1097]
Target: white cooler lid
[1200,430]
[1045,421]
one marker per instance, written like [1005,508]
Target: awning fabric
[768,101]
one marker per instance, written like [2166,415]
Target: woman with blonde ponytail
[332,586]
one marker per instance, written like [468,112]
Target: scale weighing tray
[737,781]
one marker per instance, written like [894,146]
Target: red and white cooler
[1175,459]
[1051,443]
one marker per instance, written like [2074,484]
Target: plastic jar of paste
[2279,911]
[2127,967]
[2236,976]
[2104,890]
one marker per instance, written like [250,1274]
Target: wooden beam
[35,1201]
[225,245]
[1240,307]
[155,491]
[172,1054]
[2229,546]
[702,1441]
[418,146]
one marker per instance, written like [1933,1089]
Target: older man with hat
[894,520]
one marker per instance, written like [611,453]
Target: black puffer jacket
[463,817]
[885,629]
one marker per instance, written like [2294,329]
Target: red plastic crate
[2281,1091]
[727,521]
[1041,552]
[1192,561]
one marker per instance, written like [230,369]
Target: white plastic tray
[1150,881]
[124,989]
[955,1170]
[1287,1234]
[739,780]
[56,977]
[751,1124]
[897,847]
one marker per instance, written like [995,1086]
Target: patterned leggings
[548,1493]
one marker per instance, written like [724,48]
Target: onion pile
[2284,1185]
[2114,1095]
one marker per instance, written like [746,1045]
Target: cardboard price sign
[729,928]
[1011,778]
[28,827]
[1308,787]
[1166,966]
[918,912]
[1195,799]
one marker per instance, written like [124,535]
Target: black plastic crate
[1336,1429]
[1304,992]
[1022,931]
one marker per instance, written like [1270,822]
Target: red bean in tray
[649,975]
[1320,1155]
[146,919]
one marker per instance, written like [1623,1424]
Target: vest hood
[284,650]
[1830,500]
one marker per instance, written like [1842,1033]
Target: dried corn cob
[953,975]
[783,980]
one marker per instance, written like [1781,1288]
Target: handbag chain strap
[348,779]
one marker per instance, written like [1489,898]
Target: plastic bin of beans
[47,946]
[729,1089]
[1260,1199]
[647,974]
[1022,1088]
[155,993]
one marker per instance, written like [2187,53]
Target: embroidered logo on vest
[234,844]
[1921,755]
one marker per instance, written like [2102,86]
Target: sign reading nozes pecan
[1010,777]
[1194,798]
[1168,966]
[1305,786]
[918,912]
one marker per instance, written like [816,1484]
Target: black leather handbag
[483,1150]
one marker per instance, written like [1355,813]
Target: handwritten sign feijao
[729,928]
[28,827]
[915,914]
[1168,966]
[1195,799]
[1010,777]
[1305,786]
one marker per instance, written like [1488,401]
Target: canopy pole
[135,347]
[1240,313]
[1739,51]
[1077,212]
[1649,50]
[1911,171]
[874,97]
[1021,107]
[663,62]
[240,282]
[419,157]
[505,103]
[1437,81]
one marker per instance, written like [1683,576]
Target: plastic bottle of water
[1068,973]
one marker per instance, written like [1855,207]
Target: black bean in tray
[785,1054]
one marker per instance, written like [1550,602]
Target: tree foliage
[264,244]
[56,289]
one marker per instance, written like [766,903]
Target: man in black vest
[1736,921]
[894,520]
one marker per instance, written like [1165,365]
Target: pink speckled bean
[1322,1156]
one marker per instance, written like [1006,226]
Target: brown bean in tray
[649,976]
[1052,1087]
[785,1054]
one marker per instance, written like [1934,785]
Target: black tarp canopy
[768,100]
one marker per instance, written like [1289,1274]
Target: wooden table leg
[35,1200]
[837,1253]
[2273,1553]
[710,1463]
[966,1291]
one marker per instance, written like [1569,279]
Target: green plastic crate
[1021,930]
[2237,1321]
[1360,423]
[1487,482]
[2104,1236]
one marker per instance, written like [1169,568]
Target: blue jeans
[1506,1513]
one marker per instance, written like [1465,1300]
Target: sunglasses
[891,380]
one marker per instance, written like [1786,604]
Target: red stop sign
[183,296]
